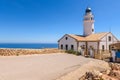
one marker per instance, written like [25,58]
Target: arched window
[109,38]
[72,47]
[92,30]
[66,38]
[61,46]
[103,47]
[91,18]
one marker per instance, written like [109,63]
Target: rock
[91,76]
[100,74]
[89,71]
[107,72]
[96,72]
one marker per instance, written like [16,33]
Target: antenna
[109,29]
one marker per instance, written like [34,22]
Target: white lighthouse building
[88,22]
[90,42]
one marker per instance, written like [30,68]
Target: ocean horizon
[29,45]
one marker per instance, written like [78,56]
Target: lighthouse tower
[88,22]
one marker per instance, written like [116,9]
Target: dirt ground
[39,66]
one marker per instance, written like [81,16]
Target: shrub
[78,53]
[72,52]
[17,54]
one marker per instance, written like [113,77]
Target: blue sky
[41,21]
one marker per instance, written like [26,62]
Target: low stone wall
[17,52]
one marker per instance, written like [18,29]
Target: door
[66,46]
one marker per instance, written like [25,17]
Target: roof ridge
[101,32]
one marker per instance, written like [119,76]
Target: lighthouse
[88,22]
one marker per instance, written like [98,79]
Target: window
[92,30]
[109,47]
[91,18]
[72,47]
[66,46]
[61,46]
[103,47]
[66,38]
[109,38]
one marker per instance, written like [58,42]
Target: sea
[29,45]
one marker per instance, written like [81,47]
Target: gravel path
[39,67]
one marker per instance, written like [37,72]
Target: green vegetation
[72,52]
[17,54]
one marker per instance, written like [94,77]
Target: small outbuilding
[115,52]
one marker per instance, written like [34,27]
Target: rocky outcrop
[91,76]
[89,71]
[112,74]
[115,70]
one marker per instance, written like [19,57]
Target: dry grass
[17,52]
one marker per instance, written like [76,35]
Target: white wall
[88,24]
[81,44]
[93,44]
[105,41]
[70,41]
